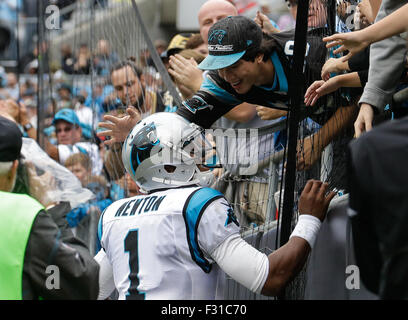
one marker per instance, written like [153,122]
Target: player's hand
[119,128]
[318,89]
[351,41]
[314,200]
[309,151]
[265,24]
[185,72]
[266,113]
[364,119]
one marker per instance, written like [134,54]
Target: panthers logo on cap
[217,35]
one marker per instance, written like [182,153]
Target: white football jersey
[159,245]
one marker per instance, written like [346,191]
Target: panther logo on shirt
[231,217]
[196,103]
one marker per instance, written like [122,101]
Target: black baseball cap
[10,140]
[228,40]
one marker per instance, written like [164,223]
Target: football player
[174,241]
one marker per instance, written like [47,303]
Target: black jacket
[52,243]
[379,195]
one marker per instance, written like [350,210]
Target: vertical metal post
[296,92]
[272,188]
[92,69]
[18,48]
[40,70]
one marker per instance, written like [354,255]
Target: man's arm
[386,65]
[313,145]
[270,274]
[393,24]
[195,110]
[357,62]
[214,100]
[53,245]
[242,113]
[386,59]
[204,109]
[266,113]
[284,264]
[52,150]
[25,122]
[321,87]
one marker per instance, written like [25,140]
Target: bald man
[213,11]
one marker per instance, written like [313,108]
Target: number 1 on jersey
[131,246]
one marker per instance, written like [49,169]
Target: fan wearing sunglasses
[69,133]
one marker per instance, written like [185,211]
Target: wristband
[307,228]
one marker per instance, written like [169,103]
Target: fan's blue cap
[67,115]
[228,41]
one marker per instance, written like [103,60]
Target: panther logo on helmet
[165,151]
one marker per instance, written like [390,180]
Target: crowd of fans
[70,120]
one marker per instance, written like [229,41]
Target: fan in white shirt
[69,135]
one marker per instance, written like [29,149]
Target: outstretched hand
[119,128]
[318,89]
[351,41]
[315,200]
